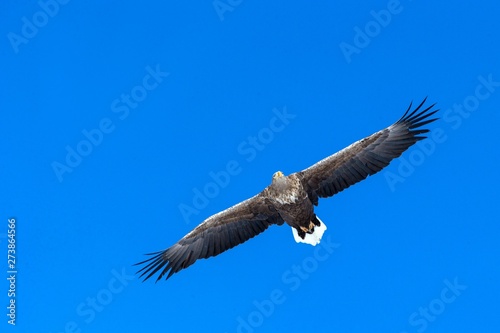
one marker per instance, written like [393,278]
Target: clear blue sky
[114,115]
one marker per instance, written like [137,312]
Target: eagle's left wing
[215,235]
[365,157]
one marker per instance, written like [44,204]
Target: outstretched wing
[367,156]
[215,235]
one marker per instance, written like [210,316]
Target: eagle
[292,198]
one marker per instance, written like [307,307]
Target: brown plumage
[292,198]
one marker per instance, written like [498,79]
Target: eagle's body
[292,198]
[288,196]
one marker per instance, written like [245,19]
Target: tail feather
[313,238]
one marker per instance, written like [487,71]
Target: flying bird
[292,198]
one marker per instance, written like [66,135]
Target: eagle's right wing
[365,157]
[215,235]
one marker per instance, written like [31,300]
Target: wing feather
[215,235]
[367,156]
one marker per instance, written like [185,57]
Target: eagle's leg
[301,233]
[312,224]
[316,221]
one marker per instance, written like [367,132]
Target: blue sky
[114,115]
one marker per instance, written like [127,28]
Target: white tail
[313,238]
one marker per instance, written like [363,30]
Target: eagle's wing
[215,235]
[365,157]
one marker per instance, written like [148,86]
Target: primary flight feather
[292,198]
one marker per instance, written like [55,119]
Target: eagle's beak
[277,174]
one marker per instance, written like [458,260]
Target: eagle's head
[280,182]
[277,175]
